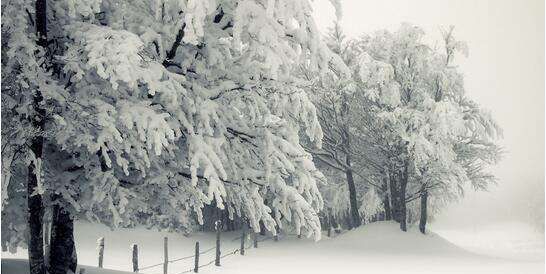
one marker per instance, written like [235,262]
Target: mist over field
[504,72]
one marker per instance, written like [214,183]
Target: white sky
[504,73]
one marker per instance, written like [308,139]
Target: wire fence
[235,251]
[198,266]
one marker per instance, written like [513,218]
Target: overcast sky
[504,73]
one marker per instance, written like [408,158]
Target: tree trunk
[35,207]
[387,207]
[402,197]
[277,228]
[262,228]
[395,209]
[355,216]
[329,224]
[348,221]
[386,202]
[63,251]
[46,232]
[423,220]
[35,210]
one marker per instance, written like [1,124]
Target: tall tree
[25,61]
[35,207]
[155,109]
[425,117]
[408,120]
[333,95]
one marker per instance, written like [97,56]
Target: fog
[504,73]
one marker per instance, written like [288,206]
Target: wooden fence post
[217,261]
[100,243]
[135,258]
[166,255]
[196,267]
[243,235]
[255,239]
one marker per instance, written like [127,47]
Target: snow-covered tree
[334,95]
[421,100]
[408,119]
[152,109]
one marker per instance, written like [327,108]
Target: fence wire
[233,252]
[180,259]
[206,251]
[150,266]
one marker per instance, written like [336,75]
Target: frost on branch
[224,122]
[157,109]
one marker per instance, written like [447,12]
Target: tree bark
[262,228]
[386,200]
[63,251]
[348,221]
[355,219]
[402,197]
[329,224]
[395,209]
[35,210]
[423,219]
[355,216]
[46,234]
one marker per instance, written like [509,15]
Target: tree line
[174,114]
[402,138]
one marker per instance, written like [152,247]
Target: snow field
[375,248]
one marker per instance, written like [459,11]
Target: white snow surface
[511,240]
[375,248]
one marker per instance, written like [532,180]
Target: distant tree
[335,97]
[408,119]
[430,122]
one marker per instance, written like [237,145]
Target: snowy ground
[375,248]
[510,240]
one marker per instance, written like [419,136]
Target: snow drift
[374,248]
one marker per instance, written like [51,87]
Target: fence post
[100,246]
[255,239]
[196,267]
[135,258]
[166,255]
[242,251]
[217,261]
